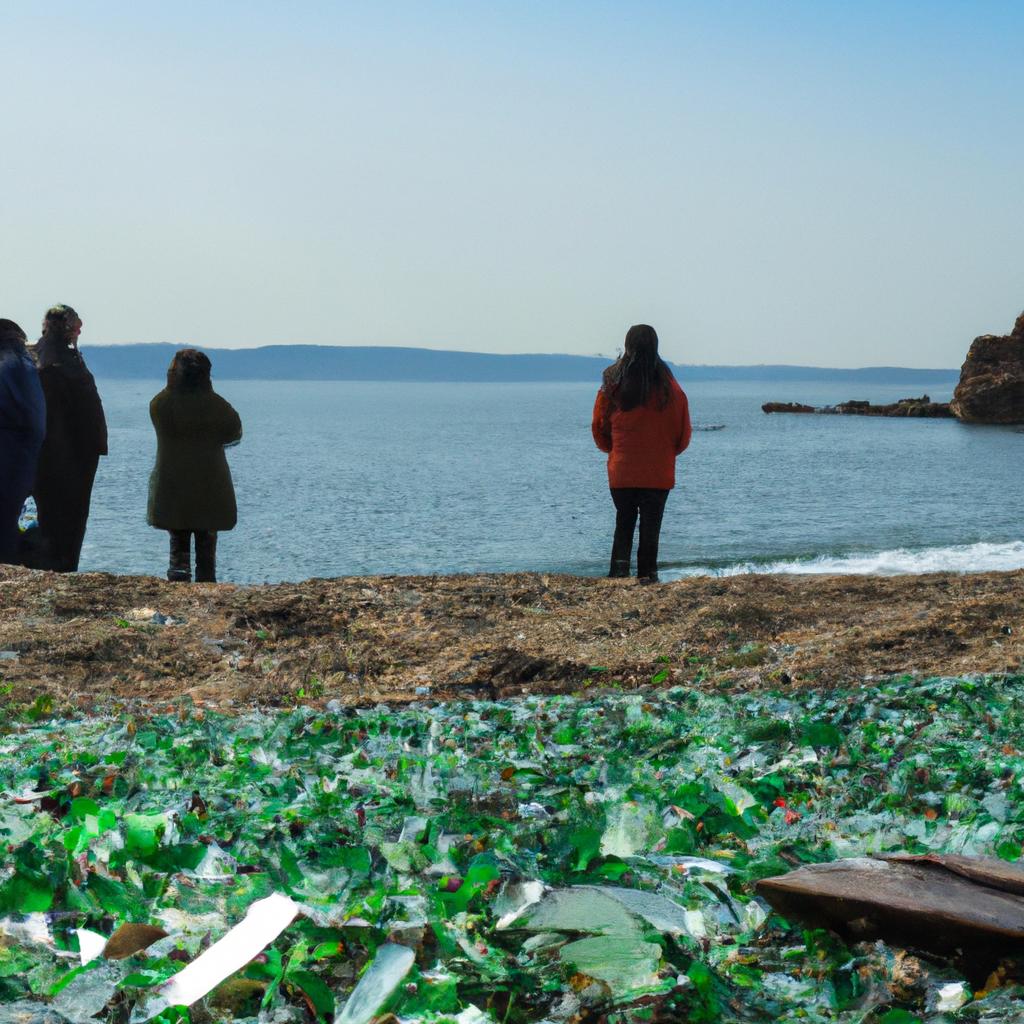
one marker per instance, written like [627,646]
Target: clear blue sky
[831,183]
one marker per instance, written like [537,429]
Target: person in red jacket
[642,419]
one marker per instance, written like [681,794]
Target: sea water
[340,478]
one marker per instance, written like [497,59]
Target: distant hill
[335,362]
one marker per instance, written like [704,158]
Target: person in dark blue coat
[22,429]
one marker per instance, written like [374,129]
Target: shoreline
[93,642]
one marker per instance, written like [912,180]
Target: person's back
[192,481]
[642,420]
[22,428]
[645,440]
[190,489]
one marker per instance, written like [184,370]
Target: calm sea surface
[340,478]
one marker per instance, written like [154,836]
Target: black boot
[206,556]
[619,569]
[180,569]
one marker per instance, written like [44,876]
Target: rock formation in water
[787,407]
[991,388]
[916,407]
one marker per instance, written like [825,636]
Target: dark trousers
[10,509]
[180,569]
[16,472]
[62,505]
[630,503]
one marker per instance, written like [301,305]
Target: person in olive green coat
[190,490]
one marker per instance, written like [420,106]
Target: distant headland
[367,363]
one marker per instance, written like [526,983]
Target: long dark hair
[639,372]
[189,371]
[11,335]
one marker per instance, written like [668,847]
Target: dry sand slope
[93,640]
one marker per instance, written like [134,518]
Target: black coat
[76,428]
[76,436]
[190,488]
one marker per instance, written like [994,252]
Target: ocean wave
[981,557]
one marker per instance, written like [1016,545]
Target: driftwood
[967,908]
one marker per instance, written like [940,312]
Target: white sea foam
[982,557]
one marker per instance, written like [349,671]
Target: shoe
[646,580]
[619,570]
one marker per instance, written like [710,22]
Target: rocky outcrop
[917,407]
[991,388]
[786,407]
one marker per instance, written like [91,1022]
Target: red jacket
[642,444]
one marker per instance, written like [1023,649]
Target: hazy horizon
[815,184]
[527,354]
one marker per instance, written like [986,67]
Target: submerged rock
[991,388]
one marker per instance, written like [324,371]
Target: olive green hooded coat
[190,488]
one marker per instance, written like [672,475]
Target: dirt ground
[96,641]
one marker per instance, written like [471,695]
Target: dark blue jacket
[22,422]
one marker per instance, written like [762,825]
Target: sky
[824,183]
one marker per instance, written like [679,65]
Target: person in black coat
[76,437]
[22,426]
[190,490]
